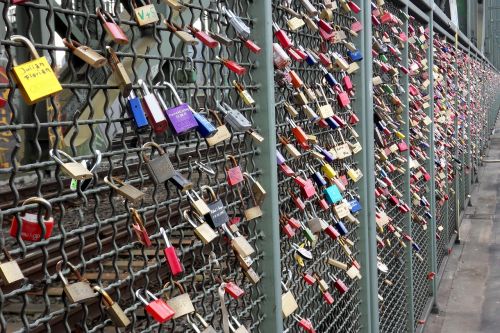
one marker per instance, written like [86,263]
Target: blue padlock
[332,194]
[137,113]
[205,128]
[415,246]
[355,55]
[341,228]
[354,206]
[332,123]
[279,158]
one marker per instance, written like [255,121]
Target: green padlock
[187,74]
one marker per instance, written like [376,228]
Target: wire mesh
[93,228]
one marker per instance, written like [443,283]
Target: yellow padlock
[36,79]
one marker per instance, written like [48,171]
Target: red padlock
[298,202]
[140,229]
[252,46]
[31,230]
[171,256]
[332,232]
[233,66]
[339,284]
[232,289]
[158,308]
[203,37]
[328,297]
[288,230]
[234,174]
[343,98]
[282,37]
[294,222]
[305,324]
[286,170]
[308,190]
[308,278]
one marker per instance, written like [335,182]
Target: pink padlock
[112,28]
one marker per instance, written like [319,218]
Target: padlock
[85,53]
[160,169]
[305,324]
[73,169]
[234,175]
[157,308]
[35,79]
[145,14]
[177,30]
[181,182]
[254,211]
[233,66]
[31,230]
[299,134]
[239,328]
[328,170]
[202,230]
[187,74]
[181,304]
[206,327]
[120,73]
[217,215]
[233,117]
[332,194]
[325,110]
[10,272]
[113,309]
[238,242]
[244,94]
[153,109]
[134,107]
[180,117]
[203,37]
[258,191]
[127,191]
[78,292]
[338,284]
[302,252]
[112,29]
[237,23]
[173,261]
[290,148]
[197,203]
[222,133]
[288,303]
[139,228]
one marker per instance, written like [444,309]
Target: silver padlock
[234,117]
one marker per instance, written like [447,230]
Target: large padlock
[31,230]
[112,29]
[202,230]
[36,79]
[222,133]
[73,168]
[160,169]
[85,53]
[181,304]
[157,308]
[288,302]
[206,327]
[217,215]
[78,292]
[180,117]
[10,271]
[187,74]
[146,14]
[113,309]
[127,191]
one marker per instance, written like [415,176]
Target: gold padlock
[244,94]
[197,202]
[251,275]
[73,169]
[290,109]
[113,309]
[36,79]
[120,74]
[78,292]
[258,191]
[288,303]
[184,36]
[252,212]
[127,191]
[238,242]
[203,231]
[146,14]
[85,53]
[222,132]
[181,304]
[10,271]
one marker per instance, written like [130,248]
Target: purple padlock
[279,157]
[180,117]
[328,156]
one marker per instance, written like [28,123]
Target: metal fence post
[265,121]
[458,192]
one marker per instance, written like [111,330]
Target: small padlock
[31,230]
[332,194]
[140,229]
[35,79]
[207,328]
[234,174]
[180,117]
[217,215]
[203,231]
[239,328]
[85,53]
[181,182]
[184,36]
[238,242]
[146,14]
[222,133]
[254,211]
[127,191]
[136,111]
[153,109]
[160,169]
[181,304]
[288,303]
[78,292]
[187,74]
[120,73]
[10,272]
[113,309]
[244,94]
[258,191]
[157,308]
[338,284]
[73,169]
[203,37]
[111,27]
[173,261]
[233,117]
[251,275]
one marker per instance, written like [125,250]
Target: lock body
[117,315]
[90,56]
[10,272]
[181,304]
[31,230]
[217,215]
[160,311]
[288,304]
[79,292]
[160,169]
[241,245]
[205,233]
[137,113]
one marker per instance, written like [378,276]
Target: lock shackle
[216,116]
[200,318]
[228,232]
[27,43]
[113,57]
[72,268]
[105,296]
[174,92]
[164,234]
[188,218]
[205,168]
[112,182]
[284,140]
[220,108]
[210,190]
[190,197]
[248,184]
[70,44]
[151,144]
[250,177]
[40,201]
[176,284]
[143,86]
[137,218]
[103,15]
[7,254]
[232,159]
[54,152]
[146,293]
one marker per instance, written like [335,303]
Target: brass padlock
[127,191]
[85,53]
[160,169]
[184,36]
[251,275]
[203,231]
[206,327]
[10,271]
[326,14]
[239,243]
[146,14]
[254,211]
[222,132]
[78,292]
[322,284]
[113,309]
[197,202]
[288,303]
[258,191]
[120,74]
[35,79]
[73,168]
[181,304]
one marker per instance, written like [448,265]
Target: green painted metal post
[469,145]
[265,121]
[456,171]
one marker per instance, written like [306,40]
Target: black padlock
[217,215]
